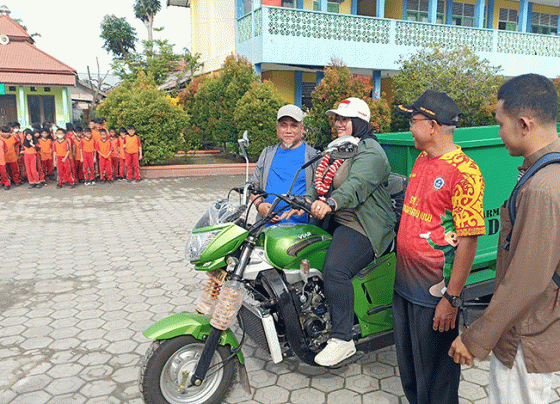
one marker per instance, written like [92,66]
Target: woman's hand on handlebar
[320,209]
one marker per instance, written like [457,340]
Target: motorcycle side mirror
[343,148]
[243,143]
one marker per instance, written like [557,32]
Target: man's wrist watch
[454,300]
[331,204]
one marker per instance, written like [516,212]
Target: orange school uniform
[63,149]
[88,149]
[104,148]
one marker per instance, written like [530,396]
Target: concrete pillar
[376,76]
[479,14]
[299,4]
[380,8]
[432,11]
[354,7]
[490,15]
[522,18]
[530,17]
[323,5]
[449,12]
[404,7]
[65,105]
[22,113]
[298,93]
[319,77]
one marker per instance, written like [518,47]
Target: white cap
[293,111]
[351,108]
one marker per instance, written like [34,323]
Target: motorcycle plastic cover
[220,212]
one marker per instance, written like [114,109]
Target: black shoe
[130,180]
[6,187]
[59,185]
[73,186]
[139,179]
[17,184]
[32,186]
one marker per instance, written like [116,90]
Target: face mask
[16,130]
[60,136]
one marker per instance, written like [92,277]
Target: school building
[34,86]
[291,41]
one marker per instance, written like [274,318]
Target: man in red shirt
[436,245]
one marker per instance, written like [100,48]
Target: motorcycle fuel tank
[286,246]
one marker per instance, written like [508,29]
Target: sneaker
[92,182]
[336,351]
[59,185]
[86,183]
[73,186]
[32,186]
[6,187]
[130,180]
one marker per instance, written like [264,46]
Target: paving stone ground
[84,271]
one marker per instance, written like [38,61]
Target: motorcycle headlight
[199,242]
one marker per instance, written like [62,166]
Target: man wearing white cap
[277,165]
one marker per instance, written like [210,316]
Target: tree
[159,62]
[213,106]
[256,113]
[20,23]
[95,85]
[472,82]
[339,83]
[159,123]
[119,36]
[145,10]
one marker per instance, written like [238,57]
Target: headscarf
[362,129]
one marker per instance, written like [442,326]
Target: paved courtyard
[84,271]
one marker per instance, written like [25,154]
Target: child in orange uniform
[122,154]
[30,150]
[77,169]
[87,145]
[63,151]
[36,138]
[104,149]
[11,156]
[3,175]
[133,153]
[20,136]
[46,154]
[115,153]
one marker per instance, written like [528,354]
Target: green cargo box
[499,170]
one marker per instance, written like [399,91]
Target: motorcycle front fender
[193,324]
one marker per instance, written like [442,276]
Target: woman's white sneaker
[336,351]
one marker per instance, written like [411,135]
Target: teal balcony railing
[271,34]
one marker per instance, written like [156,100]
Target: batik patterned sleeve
[468,213]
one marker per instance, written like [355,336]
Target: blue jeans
[349,252]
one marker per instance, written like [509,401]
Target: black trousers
[428,373]
[349,252]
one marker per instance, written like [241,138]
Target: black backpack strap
[556,279]
[545,160]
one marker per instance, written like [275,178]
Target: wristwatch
[331,204]
[454,300]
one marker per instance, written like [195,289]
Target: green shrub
[256,113]
[158,122]
[338,84]
[472,82]
[212,108]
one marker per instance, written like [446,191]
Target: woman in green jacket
[362,220]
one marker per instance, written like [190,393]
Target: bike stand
[354,358]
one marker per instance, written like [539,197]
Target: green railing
[344,27]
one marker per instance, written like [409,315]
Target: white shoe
[336,351]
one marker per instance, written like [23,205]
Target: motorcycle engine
[314,314]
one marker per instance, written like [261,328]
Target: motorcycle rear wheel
[162,368]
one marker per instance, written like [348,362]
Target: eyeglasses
[414,120]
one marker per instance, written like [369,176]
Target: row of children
[78,154]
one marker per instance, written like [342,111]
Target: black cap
[434,105]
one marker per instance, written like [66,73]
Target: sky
[70,29]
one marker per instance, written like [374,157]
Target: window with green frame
[417,10]
[542,23]
[507,19]
[332,7]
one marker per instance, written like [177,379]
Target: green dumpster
[499,170]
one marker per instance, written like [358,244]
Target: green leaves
[472,82]
[158,122]
[118,35]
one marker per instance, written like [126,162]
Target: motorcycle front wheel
[169,364]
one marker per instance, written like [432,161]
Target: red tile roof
[24,64]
